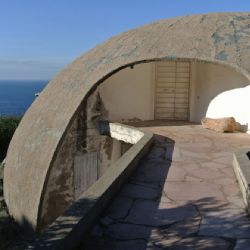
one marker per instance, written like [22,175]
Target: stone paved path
[183,195]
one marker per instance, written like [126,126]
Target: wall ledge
[68,231]
[241,165]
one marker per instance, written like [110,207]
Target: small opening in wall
[248,155]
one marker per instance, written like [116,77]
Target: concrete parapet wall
[69,229]
[125,133]
[241,164]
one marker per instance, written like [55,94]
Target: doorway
[172,90]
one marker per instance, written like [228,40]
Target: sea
[17,95]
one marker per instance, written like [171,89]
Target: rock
[226,124]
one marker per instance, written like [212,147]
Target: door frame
[154,81]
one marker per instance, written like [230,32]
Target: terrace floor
[183,195]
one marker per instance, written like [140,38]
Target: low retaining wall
[68,231]
[241,164]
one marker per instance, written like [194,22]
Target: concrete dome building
[171,69]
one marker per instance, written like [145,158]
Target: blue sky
[40,37]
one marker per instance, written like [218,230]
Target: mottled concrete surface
[220,38]
[184,195]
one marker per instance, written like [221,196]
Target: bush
[8,125]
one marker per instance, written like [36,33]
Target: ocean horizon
[17,95]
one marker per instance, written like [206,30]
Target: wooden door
[172,90]
[85,172]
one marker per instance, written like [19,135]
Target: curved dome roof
[221,37]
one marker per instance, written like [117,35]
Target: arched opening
[156,90]
[168,90]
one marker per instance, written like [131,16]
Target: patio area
[183,195]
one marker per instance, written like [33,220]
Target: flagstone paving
[184,195]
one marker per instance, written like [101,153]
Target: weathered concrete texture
[125,134]
[198,205]
[222,38]
[69,229]
[59,189]
[242,172]
[82,138]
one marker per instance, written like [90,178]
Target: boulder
[226,124]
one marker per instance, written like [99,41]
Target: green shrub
[8,125]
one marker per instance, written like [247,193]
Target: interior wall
[235,103]
[129,93]
[208,81]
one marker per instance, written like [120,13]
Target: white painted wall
[129,93]
[234,103]
[209,81]
[215,92]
